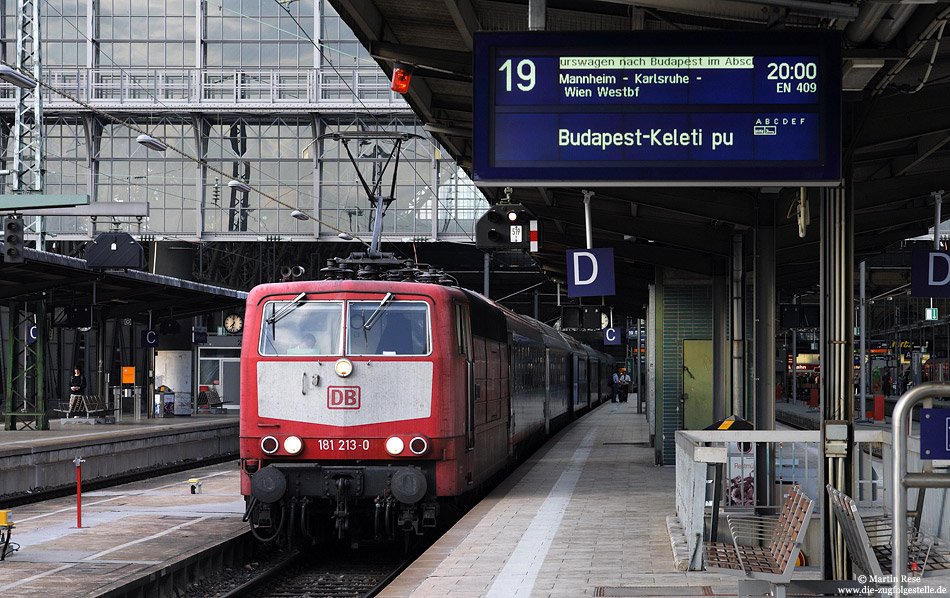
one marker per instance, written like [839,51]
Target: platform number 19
[525,72]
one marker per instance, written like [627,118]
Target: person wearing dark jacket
[77,383]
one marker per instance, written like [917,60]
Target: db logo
[343,397]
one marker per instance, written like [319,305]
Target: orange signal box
[128,375]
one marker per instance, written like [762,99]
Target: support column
[738,328]
[765,348]
[25,361]
[720,334]
[837,362]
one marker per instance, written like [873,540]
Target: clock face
[233,323]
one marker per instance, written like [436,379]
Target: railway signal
[507,226]
[13,239]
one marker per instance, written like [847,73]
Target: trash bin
[164,402]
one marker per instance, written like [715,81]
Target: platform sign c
[31,335]
[611,336]
[149,338]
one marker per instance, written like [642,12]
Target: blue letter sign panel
[611,336]
[647,107]
[935,433]
[590,272]
[930,274]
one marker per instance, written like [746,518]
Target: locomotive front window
[306,328]
[388,328]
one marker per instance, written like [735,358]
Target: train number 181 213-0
[343,444]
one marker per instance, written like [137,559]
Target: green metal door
[697,384]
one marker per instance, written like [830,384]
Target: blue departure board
[657,108]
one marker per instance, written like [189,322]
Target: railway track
[15,500]
[346,574]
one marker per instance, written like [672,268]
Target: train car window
[400,328]
[312,328]
[463,331]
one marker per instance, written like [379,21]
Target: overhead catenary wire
[284,5]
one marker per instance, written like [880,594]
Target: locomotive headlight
[269,445]
[343,367]
[394,445]
[418,445]
[293,445]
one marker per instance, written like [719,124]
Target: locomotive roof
[489,319]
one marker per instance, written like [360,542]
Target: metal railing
[214,87]
[796,460]
[902,480]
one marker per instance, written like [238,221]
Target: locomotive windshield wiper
[379,310]
[285,310]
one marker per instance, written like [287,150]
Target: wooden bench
[869,540]
[764,549]
[210,401]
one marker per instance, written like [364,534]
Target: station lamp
[300,215]
[151,143]
[239,185]
[15,77]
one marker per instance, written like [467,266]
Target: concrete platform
[585,516]
[139,531]
[31,459]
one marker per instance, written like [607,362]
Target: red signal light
[402,74]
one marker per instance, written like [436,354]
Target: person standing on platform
[886,383]
[624,385]
[614,386]
[77,388]
[77,382]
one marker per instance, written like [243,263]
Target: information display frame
[654,108]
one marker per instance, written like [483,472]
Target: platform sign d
[590,272]
[930,274]
[611,336]
[935,433]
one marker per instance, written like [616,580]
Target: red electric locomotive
[366,402]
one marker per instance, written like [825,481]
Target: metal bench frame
[869,540]
[82,404]
[764,549]
[213,402]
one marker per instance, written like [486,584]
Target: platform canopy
[67,281]
[894,145]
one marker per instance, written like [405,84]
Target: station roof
[895,127]
[67,281]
